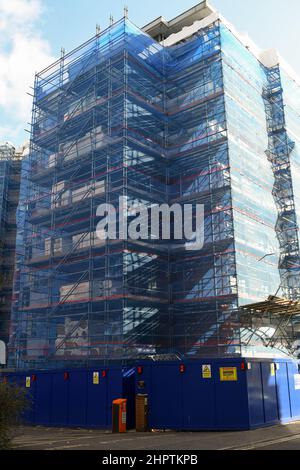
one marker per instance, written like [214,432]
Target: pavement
[43,438]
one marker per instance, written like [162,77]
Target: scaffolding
[122,115]
[10,171]
[275,323]
[279,154]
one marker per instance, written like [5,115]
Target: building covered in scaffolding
[180,112]
[10,176]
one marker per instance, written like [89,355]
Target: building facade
[10,175]
[180,112]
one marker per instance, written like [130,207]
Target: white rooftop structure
[161,29]
[202,15]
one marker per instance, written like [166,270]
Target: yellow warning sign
[96,378]
[28,382]
[228,374]
[206,371]
[273,370]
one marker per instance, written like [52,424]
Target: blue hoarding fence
[208,394]
[76,397]
[220,394]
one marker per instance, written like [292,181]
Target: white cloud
[19,11]
[23,51]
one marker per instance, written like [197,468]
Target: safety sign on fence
[228,374]
[206,371]
[96,378]
[297,381]
[273,370]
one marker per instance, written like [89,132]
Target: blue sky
[33,31]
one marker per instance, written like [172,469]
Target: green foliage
[13,403]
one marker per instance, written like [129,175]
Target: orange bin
[119,416]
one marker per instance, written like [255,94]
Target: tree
[13,403]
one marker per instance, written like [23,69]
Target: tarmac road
[275,438]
